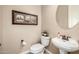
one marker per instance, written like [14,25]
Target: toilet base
[62,51]
[46,51]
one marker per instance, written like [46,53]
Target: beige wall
[0,26]
[49,23]
[62,16]
[13,34]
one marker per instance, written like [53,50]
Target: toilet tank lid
[37,47]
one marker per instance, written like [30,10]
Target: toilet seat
[37,48]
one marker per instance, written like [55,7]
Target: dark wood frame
[13,18]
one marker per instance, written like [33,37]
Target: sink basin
[65,46]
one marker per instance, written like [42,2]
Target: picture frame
[22,18]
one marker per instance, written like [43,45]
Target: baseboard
[25,52]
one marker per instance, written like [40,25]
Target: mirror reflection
[67,16]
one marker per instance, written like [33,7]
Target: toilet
[40,47]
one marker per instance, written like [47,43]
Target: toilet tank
[45,40]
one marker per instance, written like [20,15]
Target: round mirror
[67,16]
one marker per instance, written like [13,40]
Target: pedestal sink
[65,46]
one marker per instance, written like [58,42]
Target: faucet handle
[68,36]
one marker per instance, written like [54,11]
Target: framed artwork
[21,18]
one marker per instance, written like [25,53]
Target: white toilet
[39,47]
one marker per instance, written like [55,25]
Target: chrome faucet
[64,37]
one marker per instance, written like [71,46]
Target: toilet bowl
[39,47]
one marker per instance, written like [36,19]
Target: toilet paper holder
[23,43]
[0,44]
